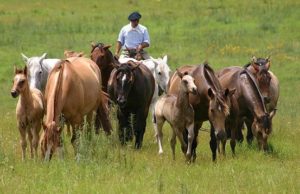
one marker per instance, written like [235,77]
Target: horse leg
[232,141]
[29,133]
[179,134]
[249,131]
[139,128]
[173,142]
[158,132]
[123,121]
[22,129]
[213,143]
[35,132]
[239,135]
[191,135]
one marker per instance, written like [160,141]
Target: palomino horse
[179,113]
[73,89]
[211,103]
[30,111]
[38,70]
[246,102]
[131,86]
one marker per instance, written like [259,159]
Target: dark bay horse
[268,85]
[131,86]
[246,102]
[211,103]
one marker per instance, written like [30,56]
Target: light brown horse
[247,102]
[179,113]
[73,89]
[29,111]
[211,103]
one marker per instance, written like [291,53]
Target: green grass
[225,33]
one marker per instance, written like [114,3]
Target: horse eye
[40,72]
[212,110]
[21,82]
[159,73]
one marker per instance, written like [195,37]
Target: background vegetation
[225,32]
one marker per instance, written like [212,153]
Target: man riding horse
[133,38]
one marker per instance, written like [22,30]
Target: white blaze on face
[219,107]
[123,80]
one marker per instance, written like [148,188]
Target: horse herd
[77,88]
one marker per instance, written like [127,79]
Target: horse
[29,111]
[246,102]
[211,103]
[179,113]
[131,87]
[74,90]
[105,60]
[268,85]
[38,70]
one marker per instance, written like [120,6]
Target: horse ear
[229,93]
[253,59]
[25,70]
[24,58]
[179,74]
[93,44]
[15,69]
[268,64]
[165,58]
[210,93]
[43,56]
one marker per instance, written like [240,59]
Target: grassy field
[225,33]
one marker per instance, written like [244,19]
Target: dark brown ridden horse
[211,103]
[131,86]
[246,102]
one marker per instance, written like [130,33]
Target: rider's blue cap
[134,16]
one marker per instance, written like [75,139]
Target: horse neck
[26,97]
[253,98]
[182,98]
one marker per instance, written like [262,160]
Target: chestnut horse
[29,111]
[73,89]
[105,60]
[131,86]
[179,113]
[247,102]
[211,103]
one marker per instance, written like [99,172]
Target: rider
[133,38]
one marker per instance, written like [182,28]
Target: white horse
[38,70]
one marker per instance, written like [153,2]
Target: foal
[30,111]
[179,113]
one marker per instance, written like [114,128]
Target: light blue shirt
[131,37]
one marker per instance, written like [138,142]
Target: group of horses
[74,89]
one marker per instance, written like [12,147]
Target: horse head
[20,82]
[35,70]
[124,81]
[162,71]
[101,55]
[219,108]
[50,140]
[188,82]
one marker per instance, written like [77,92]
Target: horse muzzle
[14,93]
[121,102]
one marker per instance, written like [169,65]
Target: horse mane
[214,83]
[256,89]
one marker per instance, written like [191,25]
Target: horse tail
[103,114]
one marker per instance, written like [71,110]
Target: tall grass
[225,33]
